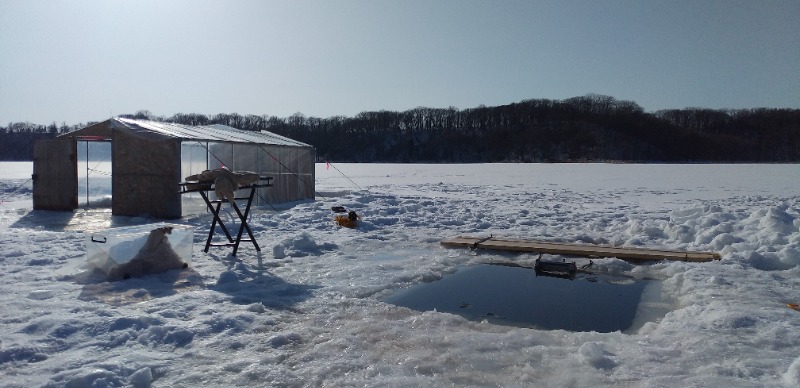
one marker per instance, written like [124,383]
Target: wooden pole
[583,250]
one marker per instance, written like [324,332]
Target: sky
[88,60]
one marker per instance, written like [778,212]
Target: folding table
[215,206]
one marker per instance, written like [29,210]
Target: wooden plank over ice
[584,250]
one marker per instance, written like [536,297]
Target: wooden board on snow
[584,250]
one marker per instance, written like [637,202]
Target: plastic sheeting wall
[194,160]
[292,168]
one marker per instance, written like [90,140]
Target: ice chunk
[135,251]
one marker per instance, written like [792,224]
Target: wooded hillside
[587,128]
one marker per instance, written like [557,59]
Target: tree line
[17,139]
[586,128]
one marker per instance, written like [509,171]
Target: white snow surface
[308,309]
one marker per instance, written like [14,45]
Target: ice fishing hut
[149,159]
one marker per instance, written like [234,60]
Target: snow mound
[792,375]
[595,354]
[141,378]
[300,246]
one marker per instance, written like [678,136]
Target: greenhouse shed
[148,159]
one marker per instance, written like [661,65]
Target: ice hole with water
[517,296]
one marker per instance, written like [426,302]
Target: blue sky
[78,61]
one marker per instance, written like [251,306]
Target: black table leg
[244,226]
[215,213]
[215,210]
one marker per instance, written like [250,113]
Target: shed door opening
[94,174]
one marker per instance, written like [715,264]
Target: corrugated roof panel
[216,132]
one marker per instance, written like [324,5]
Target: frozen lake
[310,309]
[667,182]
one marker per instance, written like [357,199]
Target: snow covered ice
[309,311]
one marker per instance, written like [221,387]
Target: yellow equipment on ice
[348,221]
